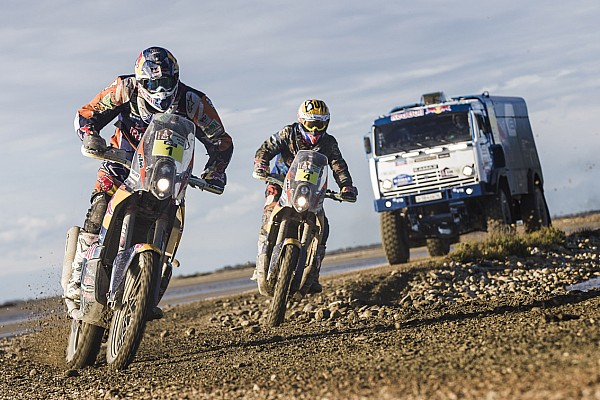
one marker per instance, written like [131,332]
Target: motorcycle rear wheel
[289,259]
[84,344]
[128,323]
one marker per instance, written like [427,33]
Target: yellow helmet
[313,115]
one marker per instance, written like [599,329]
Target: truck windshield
[422,132]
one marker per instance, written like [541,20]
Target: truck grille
[430,181]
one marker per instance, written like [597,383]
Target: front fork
[309,234]
[127,252]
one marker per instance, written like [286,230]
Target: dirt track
[493,330]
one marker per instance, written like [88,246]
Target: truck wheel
[499,209]
[438,247]
[535,211]
[394,236]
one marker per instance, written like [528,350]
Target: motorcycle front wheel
[129,321]
[84,344]
[289,259]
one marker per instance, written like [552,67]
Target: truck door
[482,140]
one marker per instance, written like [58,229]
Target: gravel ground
[430,330]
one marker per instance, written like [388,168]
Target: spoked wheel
[289,259]
[128,322]
[84,344]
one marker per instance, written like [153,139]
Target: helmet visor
[315,126]
[162,84]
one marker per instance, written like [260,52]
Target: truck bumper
[422,199]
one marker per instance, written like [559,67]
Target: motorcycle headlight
[301,201]
[163,178]
[163,184]
[302,198]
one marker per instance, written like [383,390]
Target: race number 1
[164,148]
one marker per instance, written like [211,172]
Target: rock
[70,373]
[322,314]
[190,331]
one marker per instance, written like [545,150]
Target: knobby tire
[84,344]
[289,259]
[128,323]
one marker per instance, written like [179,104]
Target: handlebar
[330,194]
[120,156]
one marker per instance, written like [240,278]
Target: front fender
[121,265]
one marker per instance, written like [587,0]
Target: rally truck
[444,167]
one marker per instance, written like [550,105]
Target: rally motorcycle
[295,231]
[123,270]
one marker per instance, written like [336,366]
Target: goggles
[164,84]
[312,125]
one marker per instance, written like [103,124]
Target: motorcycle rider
[133,99]
[308,133]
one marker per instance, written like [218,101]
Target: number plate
[307,176]
[167,148]
[428,197]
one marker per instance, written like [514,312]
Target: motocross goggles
[163,84]
[315,125]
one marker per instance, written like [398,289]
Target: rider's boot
[72,291]
[260,272]
[316,287]
[167,272]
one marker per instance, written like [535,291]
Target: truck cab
[443,167]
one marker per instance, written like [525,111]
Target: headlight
[468,170]
[302,198]
[163,184]
[163,178]
[301,202]
[387,184]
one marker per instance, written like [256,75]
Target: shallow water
[590,284]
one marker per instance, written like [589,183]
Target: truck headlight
[468,170]
[387,184]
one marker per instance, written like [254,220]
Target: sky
[257,61]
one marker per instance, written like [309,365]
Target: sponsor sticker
[437,109]
[402,180]
[407,115]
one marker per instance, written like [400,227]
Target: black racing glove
[349,193]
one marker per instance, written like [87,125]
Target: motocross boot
[260,272]
[316,287]
[167,272]
[72,291]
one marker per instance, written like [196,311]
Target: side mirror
[498,156]
[367,144]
